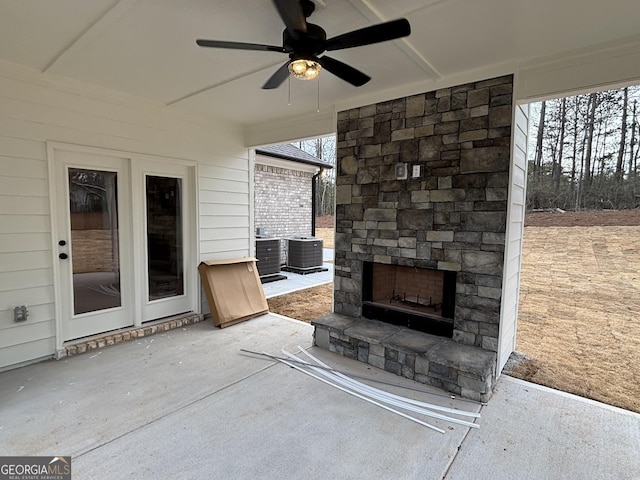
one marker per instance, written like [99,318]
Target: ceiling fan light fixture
[304,69]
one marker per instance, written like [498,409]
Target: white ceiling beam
[224,82]
[93,31]
[373,15]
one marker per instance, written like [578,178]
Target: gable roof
[286,151]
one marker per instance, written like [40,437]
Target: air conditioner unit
[268,255]
[305,252]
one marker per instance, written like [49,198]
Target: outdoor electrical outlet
[416,171]
[20,313]
[401,171]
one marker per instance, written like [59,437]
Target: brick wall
[282,201]
[453,217]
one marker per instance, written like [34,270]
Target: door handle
[63,256]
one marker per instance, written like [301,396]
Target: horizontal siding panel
[520,158]
[180,148]
[517,213]
[518,196]
[515,241]
[10,281]
[522,121]
[520,140]
[81,122]
[26,333]
[23,167]
[22,149]
[223,222]
[512,264]
[519,176]
[73,101]
[225,246]
[25,224]
[225,198]
[510,333]
[223,173]
[510,305]
[223,234]
[28,296]
[16,261]
[23,186]
[33,205]
[223,255]
[514,251]
[26,352]
[217,185]
[214,210]
[24,242]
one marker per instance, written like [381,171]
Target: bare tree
[623,137]
[593,100]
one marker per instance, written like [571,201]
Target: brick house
[283,190]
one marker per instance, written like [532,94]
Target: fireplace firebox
[418,298]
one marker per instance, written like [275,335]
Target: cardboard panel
[233,289]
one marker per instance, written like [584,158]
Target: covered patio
[189,404]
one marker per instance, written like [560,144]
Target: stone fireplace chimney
[422,182]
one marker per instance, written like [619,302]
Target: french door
[166,263]
[125,245]
[94,243]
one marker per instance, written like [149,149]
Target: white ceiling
[147,47]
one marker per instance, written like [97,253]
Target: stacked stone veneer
[453,217]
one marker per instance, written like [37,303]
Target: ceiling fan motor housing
[307,44]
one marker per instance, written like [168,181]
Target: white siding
[36,109]
[515,225]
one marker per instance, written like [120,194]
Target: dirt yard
[579,317]
[324,230]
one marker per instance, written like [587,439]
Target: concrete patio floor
[188,404]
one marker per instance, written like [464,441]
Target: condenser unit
[304,252]
[268,255]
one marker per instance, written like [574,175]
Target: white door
[94,244]
[166,265]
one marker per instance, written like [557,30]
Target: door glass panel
[164,237]
[93,207]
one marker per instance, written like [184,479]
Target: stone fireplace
[422,189]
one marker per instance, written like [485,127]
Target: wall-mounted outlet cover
[401,171]
[20,313]
[415,173]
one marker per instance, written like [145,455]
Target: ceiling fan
[304,42]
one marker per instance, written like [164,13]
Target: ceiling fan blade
[291,13]
[368,35]
[344,71]
[277,78]
[239,45]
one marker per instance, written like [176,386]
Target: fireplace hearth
[418,298]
